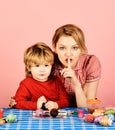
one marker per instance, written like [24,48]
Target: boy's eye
[46,65]
[36,65]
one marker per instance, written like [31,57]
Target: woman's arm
[89,92]
[82,93]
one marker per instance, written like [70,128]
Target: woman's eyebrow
[75,45]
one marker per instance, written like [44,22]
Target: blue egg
[111,116]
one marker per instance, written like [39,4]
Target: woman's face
[67,48]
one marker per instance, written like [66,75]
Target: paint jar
[80,113]
[1,113]
[92,104]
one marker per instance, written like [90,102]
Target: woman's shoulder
[91,65]
[88,61]
[88,58]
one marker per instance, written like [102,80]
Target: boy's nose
[42,68]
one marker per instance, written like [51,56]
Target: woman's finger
[69,64]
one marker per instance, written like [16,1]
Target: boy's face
[41,72]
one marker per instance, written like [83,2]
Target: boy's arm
[23,99]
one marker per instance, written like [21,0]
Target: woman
[79,71]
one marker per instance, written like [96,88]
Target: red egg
[89,118]
[39,112]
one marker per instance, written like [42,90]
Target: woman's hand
[69,73]
[40,101]
[50,105]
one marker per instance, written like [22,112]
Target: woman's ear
[54,48]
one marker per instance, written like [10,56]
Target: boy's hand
[40,101]
[50,105]
[12,102]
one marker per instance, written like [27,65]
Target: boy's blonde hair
[37,54]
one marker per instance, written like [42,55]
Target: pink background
[24,22]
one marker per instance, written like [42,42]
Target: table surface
[25,121]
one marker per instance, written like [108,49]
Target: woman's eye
[75,48]
[61,48]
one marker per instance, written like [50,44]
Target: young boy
[40,86]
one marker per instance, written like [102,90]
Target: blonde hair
[73,31]
[37,54]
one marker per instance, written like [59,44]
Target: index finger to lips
[69,65]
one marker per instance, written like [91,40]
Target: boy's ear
[28,68]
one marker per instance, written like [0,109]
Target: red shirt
[30,90]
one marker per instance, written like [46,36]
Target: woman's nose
[68,52]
